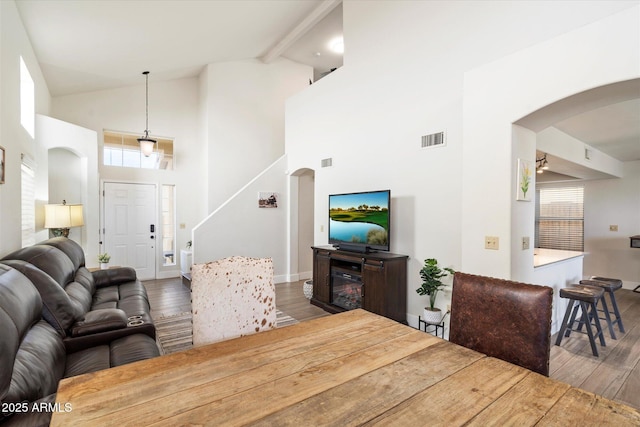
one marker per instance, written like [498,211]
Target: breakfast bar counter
[351,368]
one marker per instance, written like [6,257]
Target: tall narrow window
[560,218]
[27,100]
[28,201]
[168,225]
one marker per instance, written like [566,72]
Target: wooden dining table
[353,368]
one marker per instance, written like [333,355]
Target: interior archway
[302,190]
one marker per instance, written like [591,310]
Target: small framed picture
[2,167]
[267,199]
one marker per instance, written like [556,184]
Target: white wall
[240,227]
[174,113]
[518,85]
[77,178]
[406,75]
[245,119]
[558,143]
[14,43]
[608,252]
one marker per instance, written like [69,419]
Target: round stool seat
[590,294]
[616,283]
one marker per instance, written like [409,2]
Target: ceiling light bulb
[337,45]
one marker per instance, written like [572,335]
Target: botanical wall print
[267,199]
[525,180]
[2,165]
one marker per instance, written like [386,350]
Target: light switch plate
[525,243]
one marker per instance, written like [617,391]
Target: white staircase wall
[240,227]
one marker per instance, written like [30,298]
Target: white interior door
[130,226]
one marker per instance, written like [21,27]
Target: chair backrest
[503,319]
[232,297]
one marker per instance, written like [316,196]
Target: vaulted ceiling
[100,44]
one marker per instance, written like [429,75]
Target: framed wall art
[524,180]
[267,199]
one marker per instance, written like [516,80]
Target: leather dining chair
[503,319]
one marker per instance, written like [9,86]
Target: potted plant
[104,259]
[431,276]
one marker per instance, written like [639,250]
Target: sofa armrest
[114,276]
[97,321]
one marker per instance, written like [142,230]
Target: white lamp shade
[146,146]
[63,216]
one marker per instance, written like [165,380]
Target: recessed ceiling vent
[325,163]
[433,140]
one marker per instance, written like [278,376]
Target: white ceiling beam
[300,30]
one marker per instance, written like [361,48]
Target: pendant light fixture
[146,143]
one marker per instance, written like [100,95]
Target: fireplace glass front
[346,289]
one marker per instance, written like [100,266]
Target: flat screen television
[360,221]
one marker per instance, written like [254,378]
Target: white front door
[130,225]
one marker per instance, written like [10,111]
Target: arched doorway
[302,194]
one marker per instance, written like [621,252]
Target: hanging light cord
[146,124]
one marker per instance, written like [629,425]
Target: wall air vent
[325,163]
[433,140]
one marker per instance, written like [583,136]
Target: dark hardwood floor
[615,374]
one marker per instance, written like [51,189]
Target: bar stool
[583,297]
[610,286]
[604,309]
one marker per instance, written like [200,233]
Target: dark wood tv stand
[383,277]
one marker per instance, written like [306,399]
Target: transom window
[123,149]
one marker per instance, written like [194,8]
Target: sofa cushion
[133,348]
[20,309]
[58,308]
[85,278]
[49,259]
[38,366]
[72,249]
[88,360]
[121,351]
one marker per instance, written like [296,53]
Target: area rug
[174,333]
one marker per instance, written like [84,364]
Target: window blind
[560,218]
[28,202]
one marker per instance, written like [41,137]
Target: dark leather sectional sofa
[58,319]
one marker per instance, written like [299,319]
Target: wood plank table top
[353,368]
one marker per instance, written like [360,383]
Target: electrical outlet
[321,228]
[525,243]
[448,308]
[492,242]
[613,228]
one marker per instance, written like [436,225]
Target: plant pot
[307,289]
[104,265]
[432,317]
